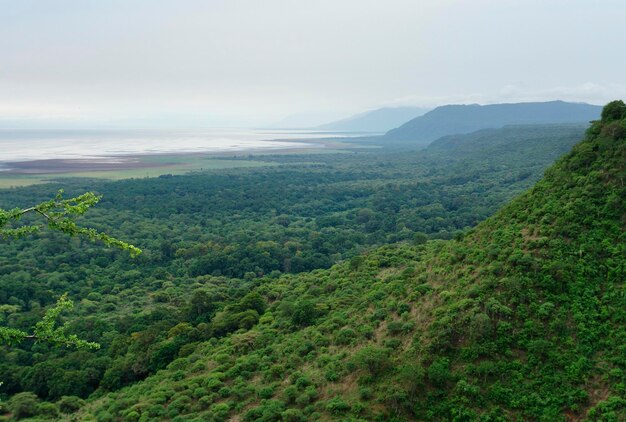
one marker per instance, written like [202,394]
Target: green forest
[481,278]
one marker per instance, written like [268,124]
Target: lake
[28,145]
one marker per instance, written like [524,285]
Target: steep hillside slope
[527,143]
[379,120]
[458,119]
[524,318]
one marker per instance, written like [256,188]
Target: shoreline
[151,160]
[153,164]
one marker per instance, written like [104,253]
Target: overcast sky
[230,62]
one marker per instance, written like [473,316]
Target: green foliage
[23,405]
[520,318]
[47,331]
[615,110]
[439,372]
[373,359]
[60,214]
[70,404]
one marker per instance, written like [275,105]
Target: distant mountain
[304,120]
[379,120]
[459,119]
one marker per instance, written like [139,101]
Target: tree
[373,358]
[23,405]
[615,110]
[304,313]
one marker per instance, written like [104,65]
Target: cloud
[252,62]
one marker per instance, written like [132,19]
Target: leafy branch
[59,214]
[48,331]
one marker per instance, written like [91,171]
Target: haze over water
[27,145]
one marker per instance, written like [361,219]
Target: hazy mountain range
[459,119]
[379,120]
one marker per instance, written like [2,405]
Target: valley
[371,284]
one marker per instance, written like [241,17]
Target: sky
[202,63]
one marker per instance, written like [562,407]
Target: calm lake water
[27,145]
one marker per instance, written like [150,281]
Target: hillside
[460,119]
[379,120]
[523,318]
[530,143]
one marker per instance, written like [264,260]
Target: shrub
[373,359]
[225,392]
[70,404]
[366,331]
[290,393]
[181,404]
[331,375]
[213,384]
[155,411]
[365,393]
[48,410]
[266,392]
[439,372]
[131,416]
[337,406]
[220,411]
[293,415]
[345,336]
[23,405]
[304,313]
[392,343]
[309,395]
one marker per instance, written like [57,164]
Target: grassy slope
[523,318]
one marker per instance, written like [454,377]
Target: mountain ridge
[377,120]
[461,119]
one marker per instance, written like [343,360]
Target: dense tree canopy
[309,291]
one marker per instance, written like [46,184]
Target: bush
[266,392]
[373,359]
[131,416]
[290,393]
[48,410]
[439,372]
[270,410]
[23,405]
[345,336]
[304,313]
[365,393]
[213,384]
[392,343]
[70,404]
[366,331]
[337,406]
[220,411]
[395,327]
[293,415]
